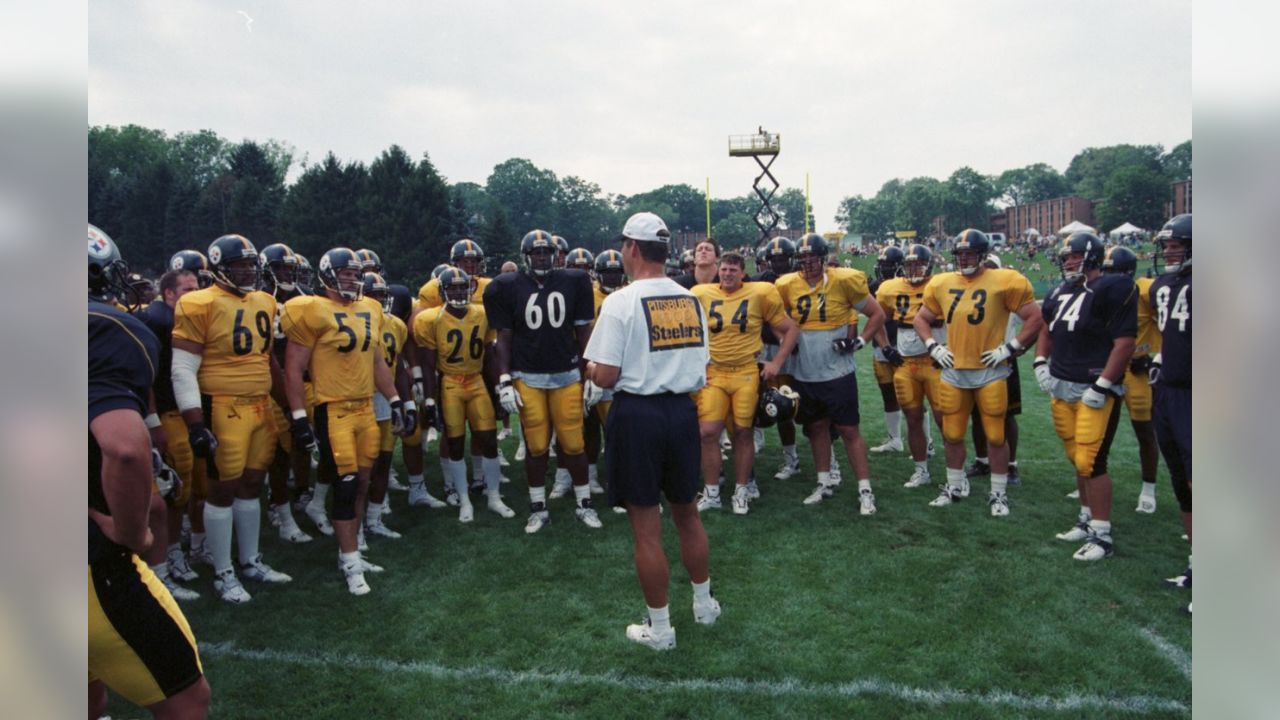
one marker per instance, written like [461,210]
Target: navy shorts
[652,445]
[835,400]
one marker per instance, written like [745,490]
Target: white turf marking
[775,688]
[1171,652]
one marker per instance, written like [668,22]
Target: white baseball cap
[646,227]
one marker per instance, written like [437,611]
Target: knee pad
[954,426]
[993,427]
[344,497]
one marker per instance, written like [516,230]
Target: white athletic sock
[702,590]
[891,421]
[319,494]
[1085,514]
[923,466]
[581,492]
[593,475]
[538,494]
[218,524]
[1148,489]
[713,491]
[864,484]
[660,619]
[247,514]
[372,514]
[999,482]
[492,474]
[415,480]
[955,477]
[456,473]
[347,558]
[824,478]
[789,452]
[477,468]
[1101,528]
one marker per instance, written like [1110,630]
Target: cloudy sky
[637,95]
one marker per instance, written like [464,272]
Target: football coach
[650,346]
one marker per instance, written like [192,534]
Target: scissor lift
[762,144]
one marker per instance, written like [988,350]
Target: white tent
[1075,226]
[1031,232]
[1126,229]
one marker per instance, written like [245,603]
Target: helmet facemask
[917,271]
[241,275]
[540,261]
[968,261]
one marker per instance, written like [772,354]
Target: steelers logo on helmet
[456,288]
[233,260]
[193,261]
[970,249]
[468,255]
[342,272]
[539,252]
[776,404]
[889,264]
[917,264]
[1080,253]
[811,254]
[108,273]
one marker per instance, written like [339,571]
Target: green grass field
[914,612]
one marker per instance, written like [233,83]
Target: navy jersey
[766,332]
[1171,303]
[890,325]
[688,280]
[158,317]
[1084,320]
[280,342]
[543,318]
[123,358]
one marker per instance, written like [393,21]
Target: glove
[892,356]
[940,354]
[303,436]
[1153,372]
[167,479]
[1043,378]
[591,394]
[1096,396]
[507,395]
[431,415]
[202,441]
[993,358]
[1140,365]
[419,387]
[844,346]
[409,417]
[397,416]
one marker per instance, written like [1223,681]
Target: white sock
[456,472]
[864,485]
[492,474]
[1148,489]
[538,494]
[702,590]
[824,478]
[581,492]
[1101,528]
[955,477]
[218,524]
[197,540]
[415,480]
[891,421]
[593,477]
[320,494]
[477,468]
[923,466]
[351,557]
[1085,514]
[660,619]
[999,482]
[373,513]
[247,514]
[789,452]
[713,491]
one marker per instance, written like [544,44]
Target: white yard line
[1180,658]
[870,687]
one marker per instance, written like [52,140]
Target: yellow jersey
[734,320]
[599,296]
[458,341]
[341,337]
[829,304]
[975,310]
[394,335]
[901,300]
[429,293]
[236,332]
[1148,333]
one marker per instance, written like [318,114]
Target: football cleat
[499,507]
[757,437]
[619,510]
[822,492]
[977,468]
[200,556]
[418,496]
[707,502]
[538,518]
[466,512]
[381,530]
[503,462]
[788,469]
[834,474]
[1074,494]
[645,635]
[451,497]
[504,433]
[562,484]
[228,587]
[179,568]
[890,445]
[300,505]
[521,451]
[1146,505]
[1078,532]
[741,501]
[1180,581]
[919,478]
[1096,548]
[1014,477]
[288,527]
[354,574]
[706,613]
[866,502]
[586,512]
[964,488]
[477,485]
[259,571]
[725,443]
[394,483]
[753,490]
[369,567]
[594,485]
[318,517]
[999,503]
[948,496]
[178,592]
[431,436]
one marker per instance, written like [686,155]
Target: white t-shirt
[654,330]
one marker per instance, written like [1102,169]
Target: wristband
[1015,344]
[504,378]
[152,421]
[928,344]
[417,372]
[1040,360]
[1103,383]
[393,399]
[410,405]
[299,414]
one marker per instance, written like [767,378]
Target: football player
[974,304]
[370,261]
[776,258]
[333,336]
[562,252]
[279,267]
[305,275]
[393,337]
[402,306]
[543,317]
[223,372]
[1137,386]
[822,301]
[609,277]
[688,262]
[706,255]
[139,642]
[1170,371]
[581,259]
[888,266]
[916,377]
[451,341]
[981,465]
[1085,344]
[672,267]
[736,312]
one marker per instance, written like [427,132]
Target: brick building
[1047,216]
[1181,202]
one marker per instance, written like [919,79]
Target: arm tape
[186,389]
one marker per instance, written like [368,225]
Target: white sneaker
[504,433]
[919,478]
[562,484]
[178,592]
[432,436]
[300,505]
[619,510]
[288,527]
[644,635]
[394,483]
[369,567]
[551,449]
[866,502]
[595,486]
[999,503]
[835,476]
[1074,494]
[499,507]
[467,512]
[964,488]
[538,518]
[418,496]
[259,571]
[228,587]
[503,462]
[753,490]
[707,502]
[1146,505]
[354,574]
[451,497]
[788,469]
[200,556]
[1078,532]
[948,496]
[890,445]
[822,492]
[521,451]
[1096,548]
[179,568]
[706,613]
[381,530]
[319,517]
[586,512]
[741,501]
